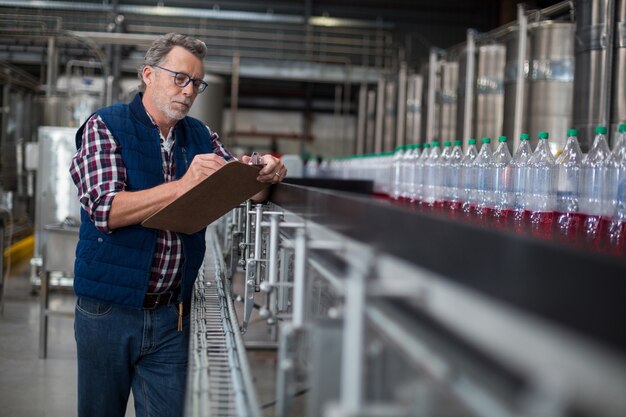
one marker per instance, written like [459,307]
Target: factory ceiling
[277,43]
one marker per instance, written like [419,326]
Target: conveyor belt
[218,381]
[581,290]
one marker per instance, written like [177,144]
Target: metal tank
[488,113]
[446,107]
[57,205]
[414,109]
[370,121]
[590,101]
[618,114]
[389,116]
[550,81]
[510,84]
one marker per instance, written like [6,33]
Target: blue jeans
[122,348]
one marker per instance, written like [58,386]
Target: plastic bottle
[408,161]
[410,172]
[432,180]
[592,175]
[453,177]
[441,193]
[396,169]
[569,164]
[615,194]
[420,175]
[384,174]
[467,174]
[311,169]
[542,187]
[520,168]
[483,179]
[502,180]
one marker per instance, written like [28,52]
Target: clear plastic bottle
[613,193]
[467,166]
[396,169]
[384,174]
[569,164]
[311,169]
[617,230]
[408,161]
[431,174]
[483,179]
[453,178]
[502,179]
[410,172]
[591,190]
[520,168]
[542,187]
[620,151]
[442,168]
[420,174]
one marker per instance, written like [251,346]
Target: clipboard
[225,189]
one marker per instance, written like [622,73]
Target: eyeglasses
[181,79]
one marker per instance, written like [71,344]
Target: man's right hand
[202,166]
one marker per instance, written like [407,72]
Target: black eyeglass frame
[198,84]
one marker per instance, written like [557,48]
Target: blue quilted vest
[115,266]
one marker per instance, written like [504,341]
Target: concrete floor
[33,387]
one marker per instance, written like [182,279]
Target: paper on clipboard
[225,189]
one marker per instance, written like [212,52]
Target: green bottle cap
[447,143]
[600,130]
[543,135]
[457,143]
[573,132]
[426,145]
[524,136]
[501,138]
[621,128]
[472,142]
[486,140]
[418,145]
[435,143]
[399,147]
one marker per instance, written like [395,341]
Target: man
[134,284]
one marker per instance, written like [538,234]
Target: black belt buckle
[152,301]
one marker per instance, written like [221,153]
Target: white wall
[333,136]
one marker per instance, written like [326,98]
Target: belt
[151,301]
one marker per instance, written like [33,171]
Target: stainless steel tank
[446,106]
[488,110]
[370,121]
[414,109]
[618,114]
[590,49]
[550,81]
[389,116]
[57,201]
[510,77]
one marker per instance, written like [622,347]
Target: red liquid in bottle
[541,223]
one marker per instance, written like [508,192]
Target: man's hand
[202,166]
[274,170]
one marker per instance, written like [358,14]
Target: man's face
[171,100]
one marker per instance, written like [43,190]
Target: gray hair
[163,45]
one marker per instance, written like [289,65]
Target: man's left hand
[273,170]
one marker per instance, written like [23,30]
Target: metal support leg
[272,267]
[245,246]
[299,294]
[353,343]
[43,314]
[253,270]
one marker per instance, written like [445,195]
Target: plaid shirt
[99,173]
